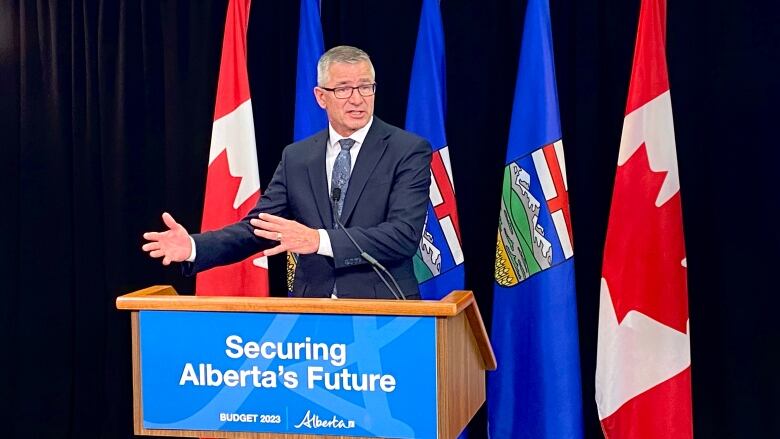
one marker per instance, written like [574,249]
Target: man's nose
[356,98]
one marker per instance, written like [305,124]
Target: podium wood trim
[164,297]
[463,348]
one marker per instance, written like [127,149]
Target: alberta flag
[309,117]
[233,181]
[438,263]
[535,392]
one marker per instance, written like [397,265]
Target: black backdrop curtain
[105,120]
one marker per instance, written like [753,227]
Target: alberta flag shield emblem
[534,224]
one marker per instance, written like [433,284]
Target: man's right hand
[173,245]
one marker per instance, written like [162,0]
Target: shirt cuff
[192,255]
[324,249]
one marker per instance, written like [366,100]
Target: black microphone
[376,265]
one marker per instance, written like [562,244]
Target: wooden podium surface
[462,348]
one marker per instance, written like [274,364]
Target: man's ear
[319,95]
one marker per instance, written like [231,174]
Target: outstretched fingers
[149,246]
[276,250]
[169,221]
[273,219]
[156,253]
[291,235]
[265,225]
[154,236]
[172,245]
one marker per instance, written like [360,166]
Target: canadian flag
[233,182]
[643,371]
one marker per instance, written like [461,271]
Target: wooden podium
[463,350]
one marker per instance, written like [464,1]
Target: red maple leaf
[645,247]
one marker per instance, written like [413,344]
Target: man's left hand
[291,235]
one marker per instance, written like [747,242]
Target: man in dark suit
[378,174]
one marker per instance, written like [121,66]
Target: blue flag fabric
[535,392]
[438,263]
[309,117]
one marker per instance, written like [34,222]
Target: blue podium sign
[289,373]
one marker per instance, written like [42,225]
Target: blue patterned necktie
[342,168]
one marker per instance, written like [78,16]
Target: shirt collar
[358,136]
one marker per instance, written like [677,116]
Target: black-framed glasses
[345,92]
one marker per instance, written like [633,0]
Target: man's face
[351,114]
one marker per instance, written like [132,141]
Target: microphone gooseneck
[376,265]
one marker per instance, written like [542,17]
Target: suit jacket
[384,210]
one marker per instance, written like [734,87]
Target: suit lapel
[370,153]
[318,178]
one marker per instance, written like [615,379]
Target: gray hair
[341,54]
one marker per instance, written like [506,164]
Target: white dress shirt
[331,153]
